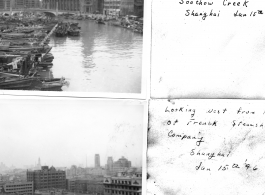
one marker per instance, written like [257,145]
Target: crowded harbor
[38,51]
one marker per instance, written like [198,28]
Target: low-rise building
[95,186]
[70,185]
[18,188]
[90,185]
[123,184]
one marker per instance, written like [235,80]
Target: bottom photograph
[71,146]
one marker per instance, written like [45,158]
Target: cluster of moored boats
[67,29]
[129,22]
[25,55]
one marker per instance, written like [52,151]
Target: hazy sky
[62,132]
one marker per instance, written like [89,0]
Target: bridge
[38,10]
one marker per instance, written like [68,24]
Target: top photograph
[68,46]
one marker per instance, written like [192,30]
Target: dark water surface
[103,59]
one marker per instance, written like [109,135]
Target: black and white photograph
[67,147]
[83,46]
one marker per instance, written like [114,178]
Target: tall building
[97,161]
[109,163]
[47,178]
[18,188]
[38,166]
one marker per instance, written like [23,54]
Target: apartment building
[47,178]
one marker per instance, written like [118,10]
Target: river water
[103,59]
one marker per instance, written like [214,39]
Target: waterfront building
[84,6]
[126,183]
[97,161]
[63,5]
[18,4]
[139,8]
[92,6]
[5,4]
[112,7]
[132,7]
[2,4]
[18,188]
[127,7]
[47,178]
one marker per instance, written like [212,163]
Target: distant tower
[109,163]
[38,166]
[97,161]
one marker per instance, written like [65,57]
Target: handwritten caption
[238,5]
[241,119]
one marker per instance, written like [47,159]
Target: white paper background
[219,57]
[171,168]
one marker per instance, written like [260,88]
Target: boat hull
[20,84]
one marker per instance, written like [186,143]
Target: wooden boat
[14,35]
[54,84]
[100,22]
[27,31]
[50,86]
[60,33]
[19,83]
[74,24]
[73,32]
[4,45]
[45,64]
[47,58]
[7,31]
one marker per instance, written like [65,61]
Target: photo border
[145,76]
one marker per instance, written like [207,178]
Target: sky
[65,132]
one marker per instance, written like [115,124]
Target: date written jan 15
[228,167]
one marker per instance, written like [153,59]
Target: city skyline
[109,128]
[83,164]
